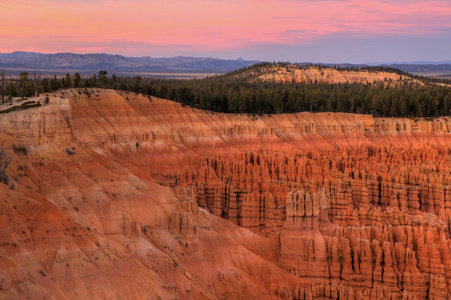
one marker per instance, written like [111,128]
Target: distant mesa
[118,63]
[312,74]
[67,62]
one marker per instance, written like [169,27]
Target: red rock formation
[121,195]
[185,221]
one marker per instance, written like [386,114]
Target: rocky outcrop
[37,126]
[235,185]
[347,199]
[187,218]
[315,74]
[125,196]
[302,246]
[374,220]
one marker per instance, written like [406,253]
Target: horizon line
[418,62]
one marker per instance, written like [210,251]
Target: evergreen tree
[77,80]
[233,101]
[67,81]
[113,82]
[36,83]
[24,83]
[137,83]
[11,91]
[102,78]
[2,73]
[54,84]
[277,102]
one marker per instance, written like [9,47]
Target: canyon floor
[115,195]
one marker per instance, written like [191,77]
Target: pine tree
[77,80]
[36,81]
[67,81]
[2,72]
[113,82]
[24,83]
[102,78]
[11,91]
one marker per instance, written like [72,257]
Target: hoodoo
[118,195]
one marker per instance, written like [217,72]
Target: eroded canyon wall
[332,206]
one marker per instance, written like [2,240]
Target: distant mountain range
[423,69]
[119,63]
[91,63]
[415,68]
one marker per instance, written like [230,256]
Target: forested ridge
[242,91]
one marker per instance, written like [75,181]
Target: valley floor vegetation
[241,92]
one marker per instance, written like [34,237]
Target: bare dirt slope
[117,195]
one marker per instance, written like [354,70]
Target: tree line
[234,92]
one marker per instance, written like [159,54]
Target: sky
[335,31]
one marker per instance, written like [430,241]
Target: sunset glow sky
[289,30]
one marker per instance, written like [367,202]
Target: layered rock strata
[118,195]
[387,212]
[314,74]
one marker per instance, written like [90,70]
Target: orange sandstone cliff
[118,195]
[317,74]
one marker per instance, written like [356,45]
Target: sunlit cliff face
[123,195]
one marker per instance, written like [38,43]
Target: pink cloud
[91,26]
